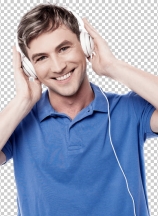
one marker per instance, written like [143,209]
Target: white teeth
[64,77]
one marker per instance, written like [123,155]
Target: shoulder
[122,101]
[129,104]
[132,105]
[128,99]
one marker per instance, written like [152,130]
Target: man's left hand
[102,58]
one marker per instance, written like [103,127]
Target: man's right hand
[27,94]
[26,90]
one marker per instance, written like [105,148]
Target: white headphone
[86,41]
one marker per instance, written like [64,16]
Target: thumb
[16,59]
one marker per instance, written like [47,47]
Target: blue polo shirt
[67,167]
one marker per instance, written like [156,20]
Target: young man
[64,160]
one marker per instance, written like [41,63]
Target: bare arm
[10,117]
[104,63]
[27,94]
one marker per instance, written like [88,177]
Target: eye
[64,48]
[41,58]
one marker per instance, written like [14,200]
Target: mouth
[64,77]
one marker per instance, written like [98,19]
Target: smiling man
[65,162]
[61,66]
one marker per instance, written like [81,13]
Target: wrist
[114,68]
[23,104]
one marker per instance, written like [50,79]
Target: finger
[91,30]
[86,22]
[16,59]
[17,66]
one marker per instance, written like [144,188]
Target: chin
[69,92]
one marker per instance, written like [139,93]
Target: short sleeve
[8,150]
[143,110]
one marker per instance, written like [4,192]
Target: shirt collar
[99,103]
[45,109]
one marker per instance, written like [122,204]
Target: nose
[57,64]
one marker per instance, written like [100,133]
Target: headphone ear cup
[26,64]
[86,43]
[89,43]
[83,43]
[28,67]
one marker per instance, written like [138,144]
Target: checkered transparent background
[129,27]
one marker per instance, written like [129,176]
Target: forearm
[10,117]
[143,83]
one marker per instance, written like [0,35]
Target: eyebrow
[63,43]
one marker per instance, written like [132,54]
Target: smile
[66,76]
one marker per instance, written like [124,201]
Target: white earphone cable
[117,156]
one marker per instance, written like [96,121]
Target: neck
[72,105]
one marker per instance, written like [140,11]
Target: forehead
[62,32]
[51,39]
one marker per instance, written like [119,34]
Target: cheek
[41,70]
[79,57]
[77,54]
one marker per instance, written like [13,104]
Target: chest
[59,145]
